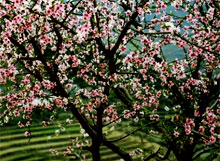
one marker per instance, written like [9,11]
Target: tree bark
[117,150]
[95,150]
[185,154]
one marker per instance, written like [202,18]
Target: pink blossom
[205,141]
[140,11]
[176,133]
[201,129]
[212,130]
[212,139]
[27,133]
[136,119]
[86,16]
[123,49]
[152,132]
[163,5]
[68,86]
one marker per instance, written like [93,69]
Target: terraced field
[14,146]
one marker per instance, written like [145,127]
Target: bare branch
[117,150]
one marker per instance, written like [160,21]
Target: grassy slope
[15,146]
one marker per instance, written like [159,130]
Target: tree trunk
[95,150]
[185,157]
[185,154]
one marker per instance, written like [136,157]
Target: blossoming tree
[103,60]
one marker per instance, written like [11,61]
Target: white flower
[86,135]
[57,132]
[166,108]
[112,128]
[82,131]
[171,28]
[63,128]
[37,8]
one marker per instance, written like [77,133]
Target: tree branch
[117,150]
[195,44]
[127,26]
[74,7]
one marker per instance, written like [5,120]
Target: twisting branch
[127,26]
[195,44]
[70,12]
[152,155]
[59,41]
[59,88]
[159,157]
[97,17]
[195,72]
[22,49]
[29,58]
[117,150]
[97,39]
[18,45]
[124,96]
[53,20]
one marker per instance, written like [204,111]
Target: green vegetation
[15,146]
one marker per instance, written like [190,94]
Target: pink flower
[158,94]
[20,124]
[140,11]
[152,132]
[189,121]
[187,129]
[205,141]
[212,130]
[78,145]
[201,129]
[176,133]
[86,16]
[196,113]
[123,49]
[128,13]
[68,86]
[136,119]
[171,84]
[212,139]
[163,5]
[27,133]
[136,107]
[146,40]
[218,111]
[6,41]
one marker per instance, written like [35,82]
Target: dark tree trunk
[185,154]
[95,150]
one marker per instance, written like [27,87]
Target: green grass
[14,146]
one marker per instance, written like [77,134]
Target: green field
[14,146]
